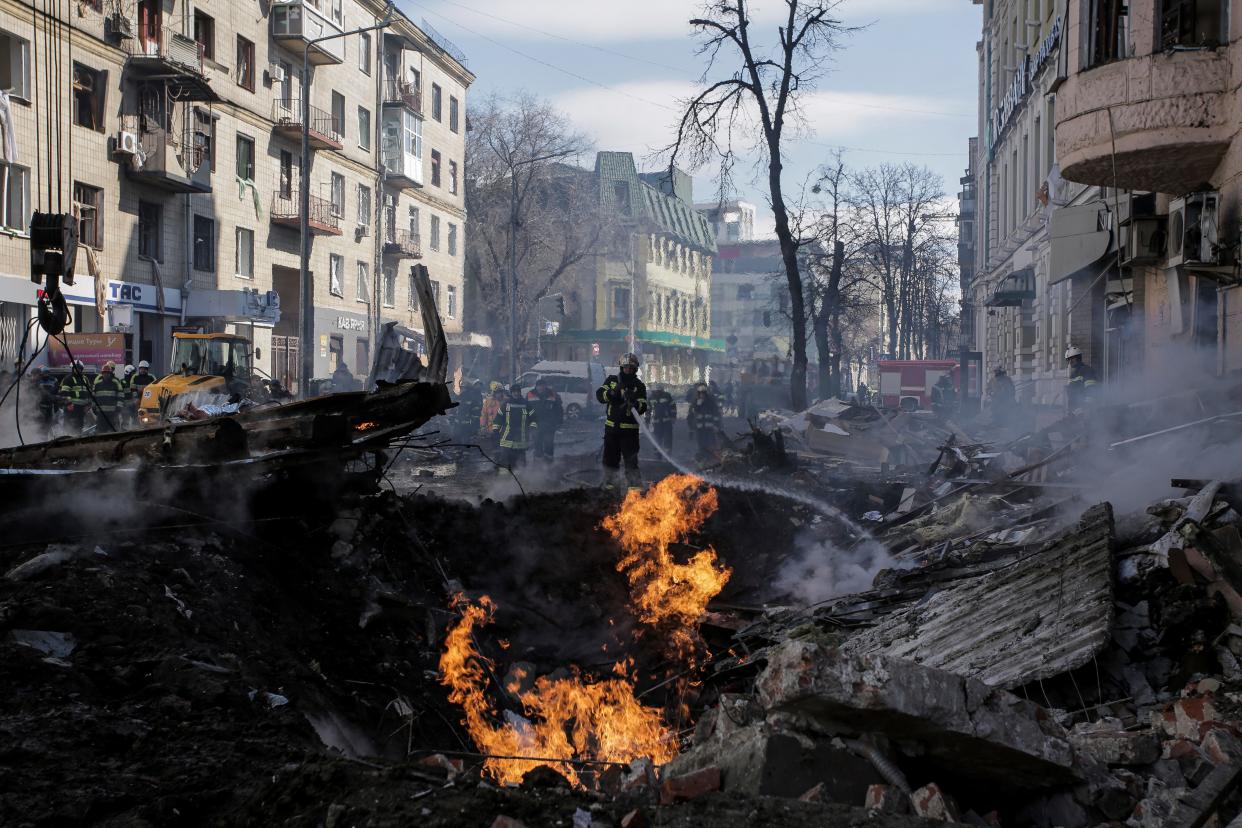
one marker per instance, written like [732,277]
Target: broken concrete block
[1222,747]
[990,734]
[634,819]
[1186,718]
[690,786]
[886,799]
[1156,809]
[932,803]
[1109,743]
[760,761]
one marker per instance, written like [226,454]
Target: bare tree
[746,79]
[532,220]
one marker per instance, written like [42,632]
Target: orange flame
[568,718]
[666,594]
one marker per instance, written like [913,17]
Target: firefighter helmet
[1072,352]
[144,364]
[129,369]
[629,359]
[109,366]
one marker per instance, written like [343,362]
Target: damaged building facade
[180,146]
[1106,190]
[656,275]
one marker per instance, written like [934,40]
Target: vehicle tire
[573,411]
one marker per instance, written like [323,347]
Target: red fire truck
[907,383]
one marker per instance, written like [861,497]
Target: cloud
[608,21]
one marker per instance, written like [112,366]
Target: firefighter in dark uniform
[661,416]
[110,394]
[75,395]
[1082,381]
[625,397]
[512,425]
[46,390]
[704,421]
[549,412]
[469,409]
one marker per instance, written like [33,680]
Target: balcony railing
[398,92]
[324,132]
[287,212]
[402,244]
[171,55]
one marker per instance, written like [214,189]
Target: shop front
[145,316]
[342,338]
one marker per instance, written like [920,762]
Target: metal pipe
[305,308]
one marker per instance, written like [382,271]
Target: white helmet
[144,364]
[1072,352]
[129,369]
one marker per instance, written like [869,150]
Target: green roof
[701,343]
[668,214]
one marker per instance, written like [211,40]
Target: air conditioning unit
[275,73]
[1142,241]
[1194,235]
[1137,206]
[126,143]
[120,25]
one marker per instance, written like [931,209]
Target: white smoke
[821,570]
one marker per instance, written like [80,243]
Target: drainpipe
[189,257]
[377,130]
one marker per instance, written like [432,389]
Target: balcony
[399,92]
[402,244]
[163,54]
[401,148]
[1169,115]
[323,132]
[287,212]
[295,24]
[171,161]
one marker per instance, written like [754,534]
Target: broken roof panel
[1047,614]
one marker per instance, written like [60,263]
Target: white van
[574,381]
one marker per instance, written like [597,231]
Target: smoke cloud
[821,570]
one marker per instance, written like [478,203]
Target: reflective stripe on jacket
[109,391]
[513,423]
[619,413]
[73,387]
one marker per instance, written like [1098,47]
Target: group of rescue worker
[511,421]
[1002,393]
[112,398]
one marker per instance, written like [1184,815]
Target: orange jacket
[491,407]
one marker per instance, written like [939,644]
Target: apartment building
[174,131]
[659,277]
[1150,106]
[732,221]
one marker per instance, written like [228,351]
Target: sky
[902,88]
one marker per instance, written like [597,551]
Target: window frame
[411,299]
[390,287]
[364,206]
[436,161]
[97,221]
[336,264]
[450,309]
[336,195]
[454,114]
[338,122]
[284,177]
[362,290]
[244,71]
[364,53]
[98,97]
[452,239]
[206,46]
[22,58]
[364,128]
[244,140]
[434,242]
[437,102]
[146,211]
[238,234]
[206,263]
[21,226]
[452,177]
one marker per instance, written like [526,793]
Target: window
[15,64]
[245,63]
[245,158]
[245,253]
[364,52]
[435,167]
[435,232]
[621,192]
[364,205]
[338,114]
[364,128]
[335,265]
[205,34]
[620,304]
[1193,24]
[453,177]
[1107,31]
[150,231]
[390,287]
[453,114]
[286,174]
[452,239]
[361,292]
[338,195]
[411,299]
[436,101]
[89,201]
[362,356]
[15,197]
[205,138]
[745,292]
[204,244]
[414,222]
[435,293]
[89,91]
[451,310]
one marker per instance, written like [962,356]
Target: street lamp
[304,300]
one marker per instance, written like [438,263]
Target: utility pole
[305,307]
[512,274]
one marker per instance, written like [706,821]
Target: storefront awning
[1014,289]
[1081,236]
[664,338]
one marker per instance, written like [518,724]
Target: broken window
[1108,31]
[364,128]
[336,263]
[286,174]
[361,291]
[245,63]
[338,195]
[88,96]
[14,65]
[245,158]
[204,139]
[411,300]
[205,34]
[204,244]
[1192,24]
[435,168]
[89,202]
[14,197]
[453,177]
[364,206]
[245,253]
[150,231]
